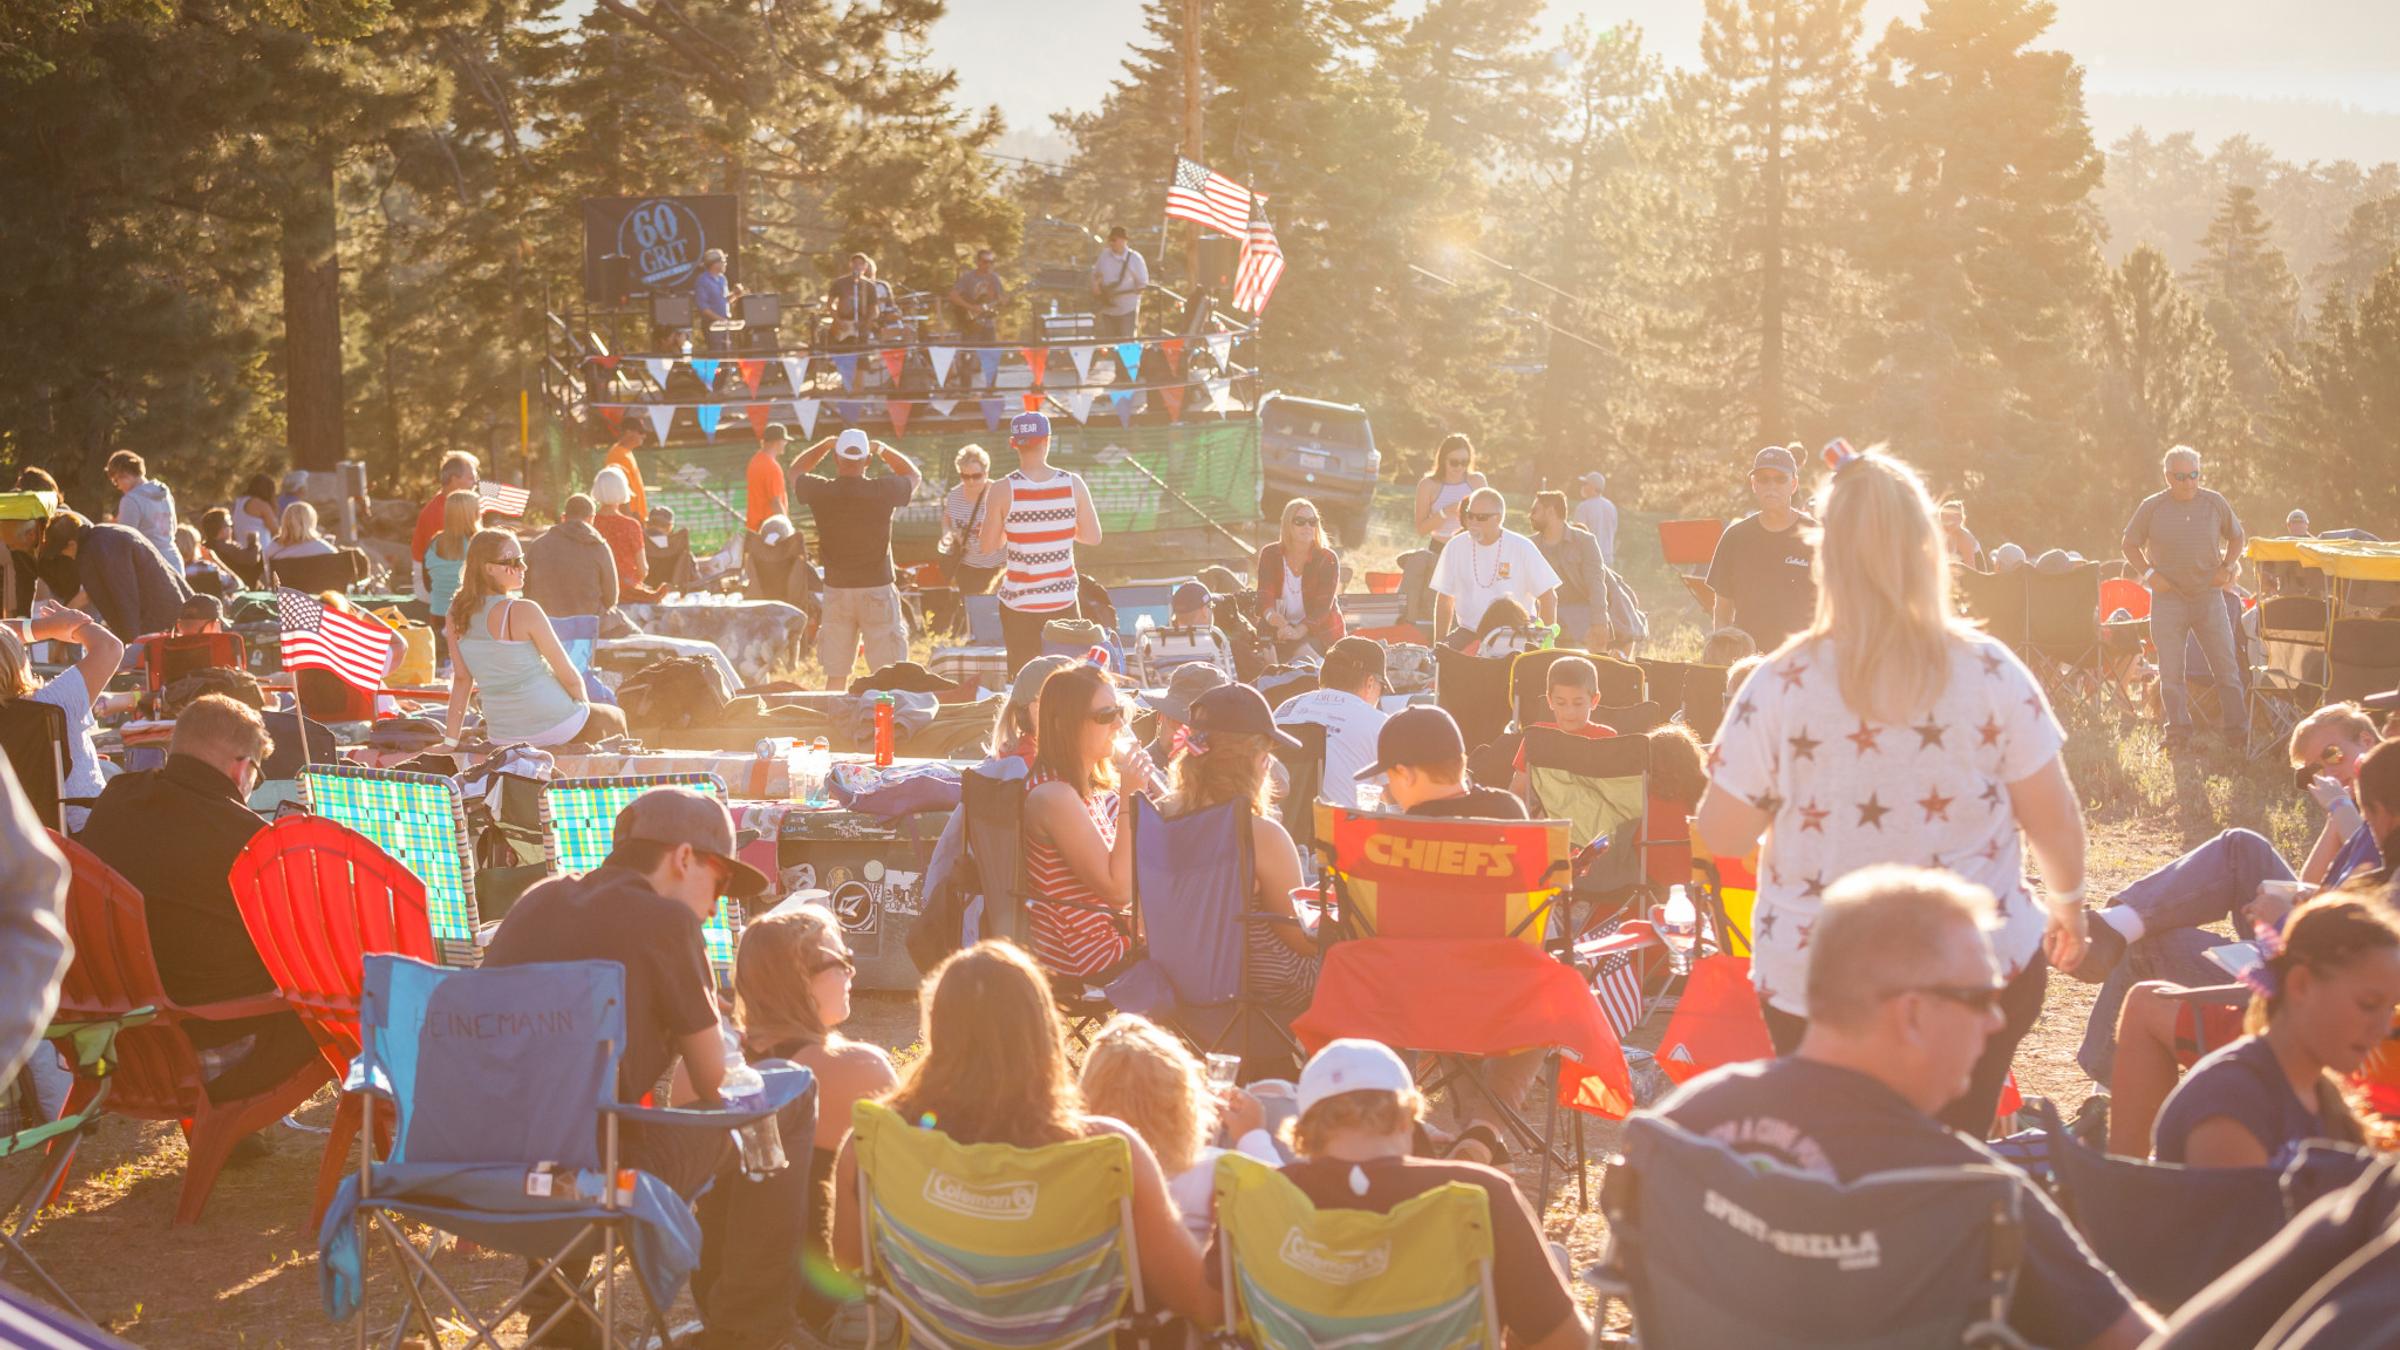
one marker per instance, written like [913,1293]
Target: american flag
[1261,267]
[1617,983]
[1205,197]
[500,497]
[319,637]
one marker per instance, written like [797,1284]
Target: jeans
[1116,325]
[2174,617]
[2209,883]
[853,614]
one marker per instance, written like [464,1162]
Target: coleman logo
[1848,1251]
[1322,1263]
[1009,1201]
[1449,857]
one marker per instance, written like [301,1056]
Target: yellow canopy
[28,505]
[2348,559]
[2274,550]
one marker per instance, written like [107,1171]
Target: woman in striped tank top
[1038,515]
[1078,858]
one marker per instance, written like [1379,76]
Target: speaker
[672,309]
[1219,256]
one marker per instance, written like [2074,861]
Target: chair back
[335,571]
[328,697]
[1306,769]
[2062,612]
[317,898]
[2362,657]
[579,634]
[157,1075]
[1999,600]
[992,1245]
[1296,1276]
[1137,599]
[579,826]
[1712,1249]
[167,658]
[1621,682]
[1192,879]
[1663,680]
[34,738]
[421,821]
[1689,543]
[1475,691]
[995,829]
[1601,788]
[1431,877]
[299,740]
[1630,719]
[2126,594]
[983,620]
[447,1046]
[1158,652]
[1704,700]
[2291,640]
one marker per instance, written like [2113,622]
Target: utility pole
[1191,124]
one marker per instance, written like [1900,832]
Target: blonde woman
[973,568]
[1891,731]
[1299,576]
[445,560]
[1139,1074]
[503,645]
[297,536]
[1222,756]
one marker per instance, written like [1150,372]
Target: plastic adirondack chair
[317,898]
[1419,1275]
[977,1245]
[158,1071]
[92,1048]
[2126,594]
[579,824]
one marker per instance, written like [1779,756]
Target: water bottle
[760,1142]
[1680,918]
[883,730]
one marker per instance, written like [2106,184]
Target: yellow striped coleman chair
[993,1247]
[1294,1275]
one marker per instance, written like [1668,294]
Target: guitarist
[858,303]
[976,300]
[1118,279]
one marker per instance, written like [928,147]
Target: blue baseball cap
[1029,426]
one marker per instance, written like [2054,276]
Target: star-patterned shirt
[1844,792]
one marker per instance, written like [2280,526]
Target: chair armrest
[1631,936]
[235,1009]
[94,1043]
[2227,995]
[785,1084]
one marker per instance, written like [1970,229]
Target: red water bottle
[883,729]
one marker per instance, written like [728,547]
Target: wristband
[2064,901]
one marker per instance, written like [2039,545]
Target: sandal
[1483,1134]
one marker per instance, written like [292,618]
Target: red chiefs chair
[317,897]
[157,1076]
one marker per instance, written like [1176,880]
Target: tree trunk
[312,318]
[1771,287]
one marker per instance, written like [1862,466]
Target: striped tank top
[1040,575]
[1068,940]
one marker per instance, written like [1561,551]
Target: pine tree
[2340,400]
[1474,70]
[2163,376]
[2247,290]
[2369,242]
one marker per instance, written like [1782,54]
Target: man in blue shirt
[713,299]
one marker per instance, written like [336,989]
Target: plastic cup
[1223,1070]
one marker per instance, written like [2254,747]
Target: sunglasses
[2191,477]
[841,962]
[513,560]
[1304,520]
[1482,515]
[1108,716]
[1460,463]
[970,478]
[1975,998]
[1770,476]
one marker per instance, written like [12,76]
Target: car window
[1346,431]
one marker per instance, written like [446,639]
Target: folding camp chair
[335,571]
[2288,682]
[2362,657]
[986,1245]
[1305,768]
[421,820]
[2062,631]
[317,897]
[34,737]
[579,824]
[995,829]
[1601,788]
[1475,691]
[166,658]
[1997,600]
[157,1072]
[91,1048]
[1622,683]
[1293,1275]
[1158,651]
[534,1171]
[1709,1248]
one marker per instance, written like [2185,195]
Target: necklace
[1477,561]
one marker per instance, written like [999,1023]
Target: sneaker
[2091,1122]
[2101,952]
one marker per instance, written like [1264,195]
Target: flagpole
[1191,125]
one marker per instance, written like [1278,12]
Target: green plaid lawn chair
[93,1048]
[579,821]
[421,820]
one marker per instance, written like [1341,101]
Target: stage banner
[650,245]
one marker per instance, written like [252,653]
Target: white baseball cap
[1352,1065]
[851,444]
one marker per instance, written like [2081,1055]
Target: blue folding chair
[580,635]
[503,1085]
[1710,1248]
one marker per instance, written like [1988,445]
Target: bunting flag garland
[758,419]
[707,415]
[661,417]
[1129,359]
[706,369]
[1079,402]
[1173,348]
[897,410]
[1037,360]
[1220,350]
[1220,394]
[894,359]
[1173,394]
[795,372]
[1123,400]
[658,366]
[941,358]
[804,411]
[989,359]
[607,364]
[848,410]
[942,407]
[1082,357]
[615,417]
[502,498]
[991,413]
[1033,402]
[848,366]
[752,373]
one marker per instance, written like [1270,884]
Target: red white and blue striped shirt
[1041,543]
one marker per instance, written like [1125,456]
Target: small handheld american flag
[317,636]
[506,500]
[1203,196]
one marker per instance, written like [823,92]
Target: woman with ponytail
[1221,756]
[2321,1004]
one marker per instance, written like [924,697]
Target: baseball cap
[1597,480]
[201,608]
[1352,1064]
[776,431]
[1423,734]
[674,815]
[1237,709]
[2385,702]
[1778,458]
[1186,684]
[1190,595]
[851,444]
[1028,426]
[1357,656]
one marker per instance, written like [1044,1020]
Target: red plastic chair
[1689,543]
[158,1073]
[2126,594]
[317,897]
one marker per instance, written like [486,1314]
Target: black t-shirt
[1834,1122]
[1765,573]
[854,524]
[1478,803]
[611,914]
[2244,1083]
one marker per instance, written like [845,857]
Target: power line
[1569,334]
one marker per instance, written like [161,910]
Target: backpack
[672,694]
[1410,667]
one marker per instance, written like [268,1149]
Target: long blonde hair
[995,1067]
[1139,1074]
[474,585]
[462,513]
[1231,770]
[1883,590]
[773,987]
[16,669]
[1292,557]
[298,526]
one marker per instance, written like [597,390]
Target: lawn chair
[2362,657]
[1306,769]
[34,737]
[2288,682]
[1622,683]
[157,1071]
[2126,594]
[1296,1276]
[1158,651]
[166,658]
[421,821]
[579,824]
[1601,788]
[1704,699]
[335,571]
[987,1245]
[317,897]
[533,1173]
[995,829]
[1918,1257]
[1689,543]
[25,1322]
[2000,601]
[1475,691]
[92,1049]
[2062,627]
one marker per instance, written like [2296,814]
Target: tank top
[522,698]
[248,530]
[1041,543]
[442,577]
[1068,940]
[1445,496]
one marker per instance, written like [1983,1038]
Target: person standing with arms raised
[1038,514]
[854,543]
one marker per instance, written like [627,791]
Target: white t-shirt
[1474,575]
[68,693]
[1844,793]
[1194,1190]
[1351,726]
